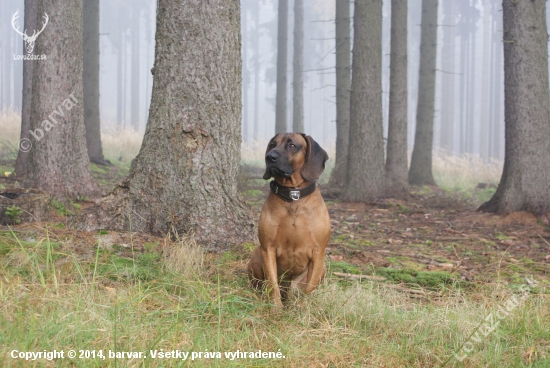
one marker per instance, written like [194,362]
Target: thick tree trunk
[90,78]
[525,182]
[280,98]
[343,87]
[298,67]
[420,172]
[396,159]
[365,176]
[58,161]
[136,76]
[185,175]
[31,14]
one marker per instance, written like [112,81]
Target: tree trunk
[365,176]
[448,79]
[136,76]
[90,78]
[246,73]
[31,15]
[298,67]
[420,172]
[525,182]
[343,87]
[185,175]
[6,58]
[257,71]
[486,84]
[58,161]
[282,36]
[396,160]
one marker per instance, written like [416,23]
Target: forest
[138,225]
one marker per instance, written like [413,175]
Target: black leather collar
[288,194]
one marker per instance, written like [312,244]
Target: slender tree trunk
[486,75]
[17,73]
[420,172]
[246,74]
[90,79]
[119,79]
[6,56]
[498,98]
[134,96]
[396,159]
[257,71]
[472,118]
[525,182]
[282,37]
[31,15]
[184,177]
[298,67]
[365,176]
[58,161]
[447,109]
[343,87]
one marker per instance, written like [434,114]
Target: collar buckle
[295,195]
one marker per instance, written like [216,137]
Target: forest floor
[409,282]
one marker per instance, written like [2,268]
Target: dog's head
[292,153]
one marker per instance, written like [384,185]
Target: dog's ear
[267,174]
[314,161]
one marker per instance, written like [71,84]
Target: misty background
[469,111]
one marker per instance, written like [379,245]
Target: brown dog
[294,226]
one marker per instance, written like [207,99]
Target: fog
[469,116]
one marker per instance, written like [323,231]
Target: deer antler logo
[29,40]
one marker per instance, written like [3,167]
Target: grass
[172,296]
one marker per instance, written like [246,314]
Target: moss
[429,279]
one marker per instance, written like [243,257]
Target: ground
[408,282]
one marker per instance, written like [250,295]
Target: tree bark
[58,161]
[343,87]
[396,160]
[185,175]
[31,14]
[282,37]
[298,67]
[365,176]
[420,172]
[525,182]
[90,78]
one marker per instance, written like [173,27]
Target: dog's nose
[271,156]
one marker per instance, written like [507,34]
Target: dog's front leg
[316,270]
[270,271]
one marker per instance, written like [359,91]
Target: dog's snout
[272,156]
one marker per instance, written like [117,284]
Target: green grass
[181,299]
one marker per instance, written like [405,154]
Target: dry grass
[50,299]
[184,256]
[465,172]
[10,128]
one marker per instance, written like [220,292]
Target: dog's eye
[291,145]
